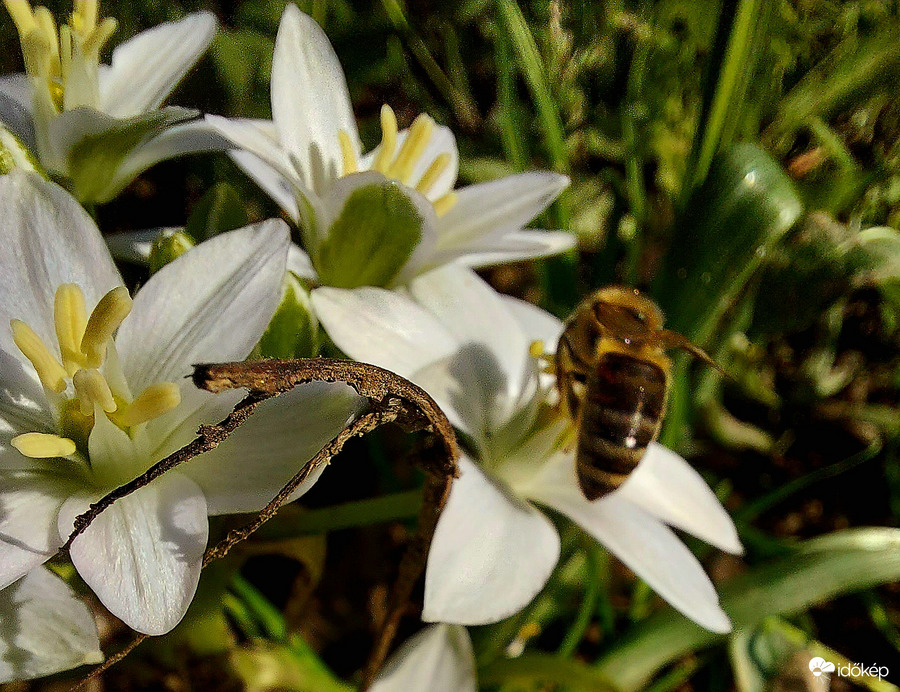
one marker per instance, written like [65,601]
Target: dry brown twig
[392,399]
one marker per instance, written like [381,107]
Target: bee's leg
[669,339]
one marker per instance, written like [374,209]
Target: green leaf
[802,277]
[297,668]
[95,159]
[874,255]
[372,238]
[293,331]
[545,668]
[744,207]
[852,71]
[219,210]
[817,571]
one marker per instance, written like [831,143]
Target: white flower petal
[491,554]
[256,138]
[145,69]
[270,181]
[665,485]
[16,105]
[47,240]
[498,207]
[442,142]
[310,101]
[194,137]
[538,324]
[513,247]
[44,628]
[67,129]
[480,321]
[641,541]
[142,556]
[247,470]
[438,659]
[29,505]
[382,327]
[300,263]
[211,304]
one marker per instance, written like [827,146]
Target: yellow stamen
[350,165]
[84,18]
[430,177]
[536,349]
[43,446]
[103,322]
[22,16]
[48,26]
[444,204]
[388,140]
[99,36]
[70,317]
[50,372]
[36,53]
[91,388]
[412,149]
[153,402]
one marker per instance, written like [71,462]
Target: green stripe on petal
[371,239]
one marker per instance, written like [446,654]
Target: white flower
[93,391]
[382,218]
[44,628]
[437,659]
[100,126]
[493,551]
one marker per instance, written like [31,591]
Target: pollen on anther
[154,401]
[43,445]
[349,156]
[412,149]
[92,388]
[388,140]
[444,204]
[112,309]
[49,371]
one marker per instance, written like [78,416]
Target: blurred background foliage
[740,160]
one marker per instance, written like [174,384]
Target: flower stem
[397,506]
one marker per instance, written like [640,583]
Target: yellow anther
[430,177]
[22,16]
[536,349]
[48,27]
[43,446]
[91,388]
[350,165]
[99,36]
[65,50]
[388,140]
[70,317]
[102,324]
[444,204]
[153,402]
[51,373]
[36,53]
[412,149]
[84,17]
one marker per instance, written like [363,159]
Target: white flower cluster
[93,389]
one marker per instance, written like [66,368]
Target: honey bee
[613,376]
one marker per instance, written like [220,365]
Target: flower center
[400,163]
[64,62]
[86,380]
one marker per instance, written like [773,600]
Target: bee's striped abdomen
[620,416]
